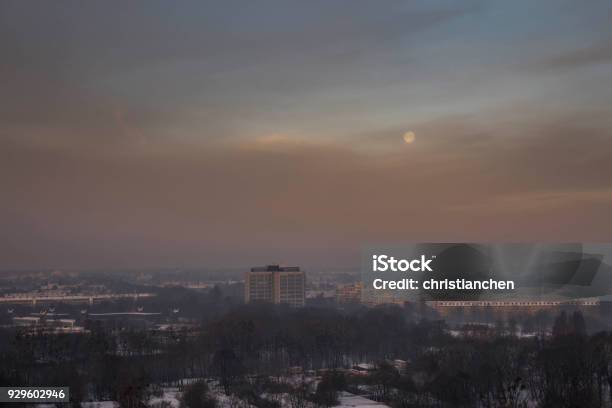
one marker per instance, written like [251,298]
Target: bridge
[78,298]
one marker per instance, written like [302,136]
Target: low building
[350,293]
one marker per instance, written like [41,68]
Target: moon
[409,137]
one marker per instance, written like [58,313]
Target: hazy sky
[247,132]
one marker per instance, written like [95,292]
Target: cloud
[171,203]
[208,133]
[600,53]
[179,67]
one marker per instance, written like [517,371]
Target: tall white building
[275,284]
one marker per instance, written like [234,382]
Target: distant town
[274,336]
[61,302]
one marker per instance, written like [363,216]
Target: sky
[232,133]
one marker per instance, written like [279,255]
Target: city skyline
[241,134]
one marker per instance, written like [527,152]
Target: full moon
[409,137]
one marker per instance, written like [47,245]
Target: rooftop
[275,268]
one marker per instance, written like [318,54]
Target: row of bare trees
[568,369]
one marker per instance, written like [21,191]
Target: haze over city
[228,134]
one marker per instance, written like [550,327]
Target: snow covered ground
[95,404]
[171,395]
[171,398]
[348,400]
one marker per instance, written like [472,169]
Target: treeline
[249,345]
